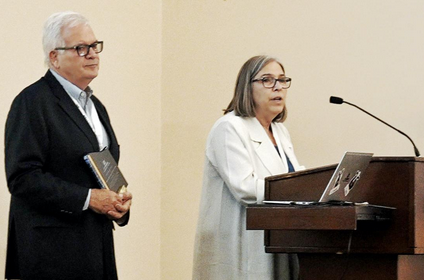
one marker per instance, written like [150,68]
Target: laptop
[343,182]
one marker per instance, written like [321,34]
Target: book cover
[106,171]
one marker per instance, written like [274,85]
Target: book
[106,171]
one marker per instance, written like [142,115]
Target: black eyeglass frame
[95,44]
[281,80]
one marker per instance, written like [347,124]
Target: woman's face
[269,102]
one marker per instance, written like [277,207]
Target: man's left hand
[121,208]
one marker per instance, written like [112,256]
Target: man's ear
[54,59]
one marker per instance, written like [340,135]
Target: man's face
[76,69]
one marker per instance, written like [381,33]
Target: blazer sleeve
[228,153]
[28,155]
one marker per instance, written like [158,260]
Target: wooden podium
[349,242]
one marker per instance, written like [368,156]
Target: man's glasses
[83,50]
[270,82]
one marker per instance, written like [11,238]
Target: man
[60,223]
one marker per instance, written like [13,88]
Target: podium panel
[364,267]
[393,240]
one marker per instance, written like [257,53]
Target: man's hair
[53,30]
[242,103]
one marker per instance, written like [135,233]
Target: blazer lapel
[104,119]
[264,148]
[285,146]
[71,109]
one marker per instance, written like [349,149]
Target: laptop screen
[346,176]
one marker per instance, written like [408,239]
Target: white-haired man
[60,221]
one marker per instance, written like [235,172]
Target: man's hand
[122,208]
[103,201]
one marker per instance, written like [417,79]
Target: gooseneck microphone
[338,100]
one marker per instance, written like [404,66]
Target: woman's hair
[242,103]
[53,30]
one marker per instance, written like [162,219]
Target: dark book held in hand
[106,170]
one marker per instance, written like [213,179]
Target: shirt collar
[72,89]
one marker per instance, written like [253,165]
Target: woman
[244,146]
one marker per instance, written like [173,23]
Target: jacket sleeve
[27,156]
[228,153]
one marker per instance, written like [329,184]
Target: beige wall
[169,68]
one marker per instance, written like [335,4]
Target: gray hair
[54,28]
[242,103]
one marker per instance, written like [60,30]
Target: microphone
[338,100]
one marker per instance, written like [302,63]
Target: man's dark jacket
[50,236]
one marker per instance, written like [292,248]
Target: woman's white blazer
[239,155]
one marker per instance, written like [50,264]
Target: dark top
[291,168]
